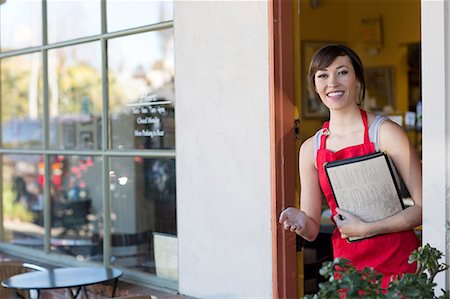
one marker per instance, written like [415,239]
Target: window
[87,130]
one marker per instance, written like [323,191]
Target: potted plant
[345,281]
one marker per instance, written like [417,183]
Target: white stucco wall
[222,144]
[436,127]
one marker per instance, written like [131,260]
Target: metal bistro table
[63,278]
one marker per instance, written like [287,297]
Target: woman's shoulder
[309,144]
[307,152]
[392,134]
[375,117]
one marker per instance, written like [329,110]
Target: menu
[365,186]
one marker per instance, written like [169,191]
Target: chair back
[11,268]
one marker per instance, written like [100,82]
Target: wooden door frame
[284,262]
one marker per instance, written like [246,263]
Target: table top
[61,278]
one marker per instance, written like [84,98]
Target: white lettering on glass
[148,120]
[149,133]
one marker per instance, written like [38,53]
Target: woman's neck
[345,122]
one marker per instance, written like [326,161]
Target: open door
[284,268]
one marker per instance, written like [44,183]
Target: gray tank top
[374,133]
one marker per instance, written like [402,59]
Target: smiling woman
[336,75]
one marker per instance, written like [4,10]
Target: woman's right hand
[293,219]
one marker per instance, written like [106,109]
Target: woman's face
[336,84]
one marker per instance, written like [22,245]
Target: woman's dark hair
[326,55]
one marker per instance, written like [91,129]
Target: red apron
[387,254]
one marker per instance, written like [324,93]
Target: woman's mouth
[334,94]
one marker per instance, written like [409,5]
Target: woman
[336,75]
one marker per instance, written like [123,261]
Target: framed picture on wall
[379,88]
[312,106]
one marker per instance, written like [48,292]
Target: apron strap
[325,133]
[366,126]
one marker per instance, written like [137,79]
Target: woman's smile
[335,94]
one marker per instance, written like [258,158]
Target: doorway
[386,35]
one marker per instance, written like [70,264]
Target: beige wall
[223,149]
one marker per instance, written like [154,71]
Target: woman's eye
[321,76]
[343,72]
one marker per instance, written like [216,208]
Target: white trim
[435,64]
[447,96]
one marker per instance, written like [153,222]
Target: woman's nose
[332,80]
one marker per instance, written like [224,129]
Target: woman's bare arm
[306,221]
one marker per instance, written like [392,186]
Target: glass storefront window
[52,103]
[72,19]
[143,203]
[131,13]
[77,206]
[20,24]
[141,91]
[21,101]
[75,103]
[23,200]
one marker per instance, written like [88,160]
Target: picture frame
[379,88]
[312,106]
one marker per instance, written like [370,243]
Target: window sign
[150,113]
[141,91]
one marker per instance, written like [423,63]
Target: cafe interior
[386,35]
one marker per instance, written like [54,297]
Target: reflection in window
[23,200]
[141,83]
[21,101]
[75,102]
[143,204]
[20,24]
[72,19]
[76,193]
[138,13]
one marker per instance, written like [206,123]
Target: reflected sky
[25,17]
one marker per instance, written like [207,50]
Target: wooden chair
[11,268]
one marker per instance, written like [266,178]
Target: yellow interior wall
[340,21]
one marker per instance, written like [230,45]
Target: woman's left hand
[350,225]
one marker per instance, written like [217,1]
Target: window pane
[75,103]
[23,200]
[124,14]
[77,205]
[143,204]
[72,19]
[141,90]
[21,101]
[20,24]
